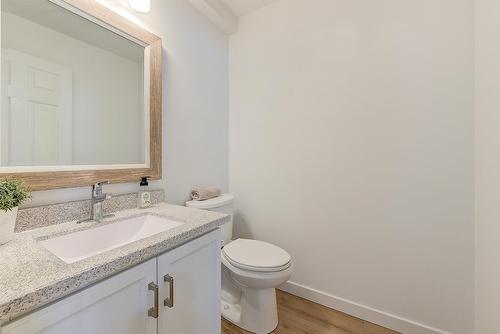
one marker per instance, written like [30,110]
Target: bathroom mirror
[81,95]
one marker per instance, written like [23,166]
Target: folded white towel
[201,194]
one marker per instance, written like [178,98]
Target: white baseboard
[367,313]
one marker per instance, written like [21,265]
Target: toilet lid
[256,255]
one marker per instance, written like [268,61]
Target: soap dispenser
[144,194]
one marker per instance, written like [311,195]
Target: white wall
[351,146]
[106,87]
[195,103]
[487,166]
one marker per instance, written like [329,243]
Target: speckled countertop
[31,276]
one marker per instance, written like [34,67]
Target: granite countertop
[31,276]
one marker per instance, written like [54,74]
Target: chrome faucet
[98,197]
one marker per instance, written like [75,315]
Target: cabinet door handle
[153,311]
[169,302]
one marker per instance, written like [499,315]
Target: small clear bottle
[144,198]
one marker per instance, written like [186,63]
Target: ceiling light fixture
[142,6]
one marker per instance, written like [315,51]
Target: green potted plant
[13,193]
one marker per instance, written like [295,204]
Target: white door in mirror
[38,126]
[84,244]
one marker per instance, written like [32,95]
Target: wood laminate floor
[300,316]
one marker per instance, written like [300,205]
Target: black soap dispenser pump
[144,194]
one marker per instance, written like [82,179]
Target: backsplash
[31,218]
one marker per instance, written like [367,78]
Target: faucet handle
[101,183]
[97,188]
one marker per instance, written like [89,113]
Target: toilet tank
[224,204]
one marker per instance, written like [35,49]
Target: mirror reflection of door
[37,111]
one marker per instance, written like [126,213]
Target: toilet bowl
[251,271]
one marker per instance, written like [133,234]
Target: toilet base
[256,311]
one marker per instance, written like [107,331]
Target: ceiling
[241,7]
[57,18]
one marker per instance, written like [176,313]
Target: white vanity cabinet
[188,300]
[115,305]
[191,305]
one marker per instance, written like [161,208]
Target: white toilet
[251,270]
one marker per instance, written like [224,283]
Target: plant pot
[7,225]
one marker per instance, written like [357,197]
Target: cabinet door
[117,305]
[195,300]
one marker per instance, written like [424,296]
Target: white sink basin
[83,244]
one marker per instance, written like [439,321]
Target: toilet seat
[255,255]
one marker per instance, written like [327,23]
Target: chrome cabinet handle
[169,302]
[153,311]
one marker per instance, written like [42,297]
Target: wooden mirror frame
[108,19]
